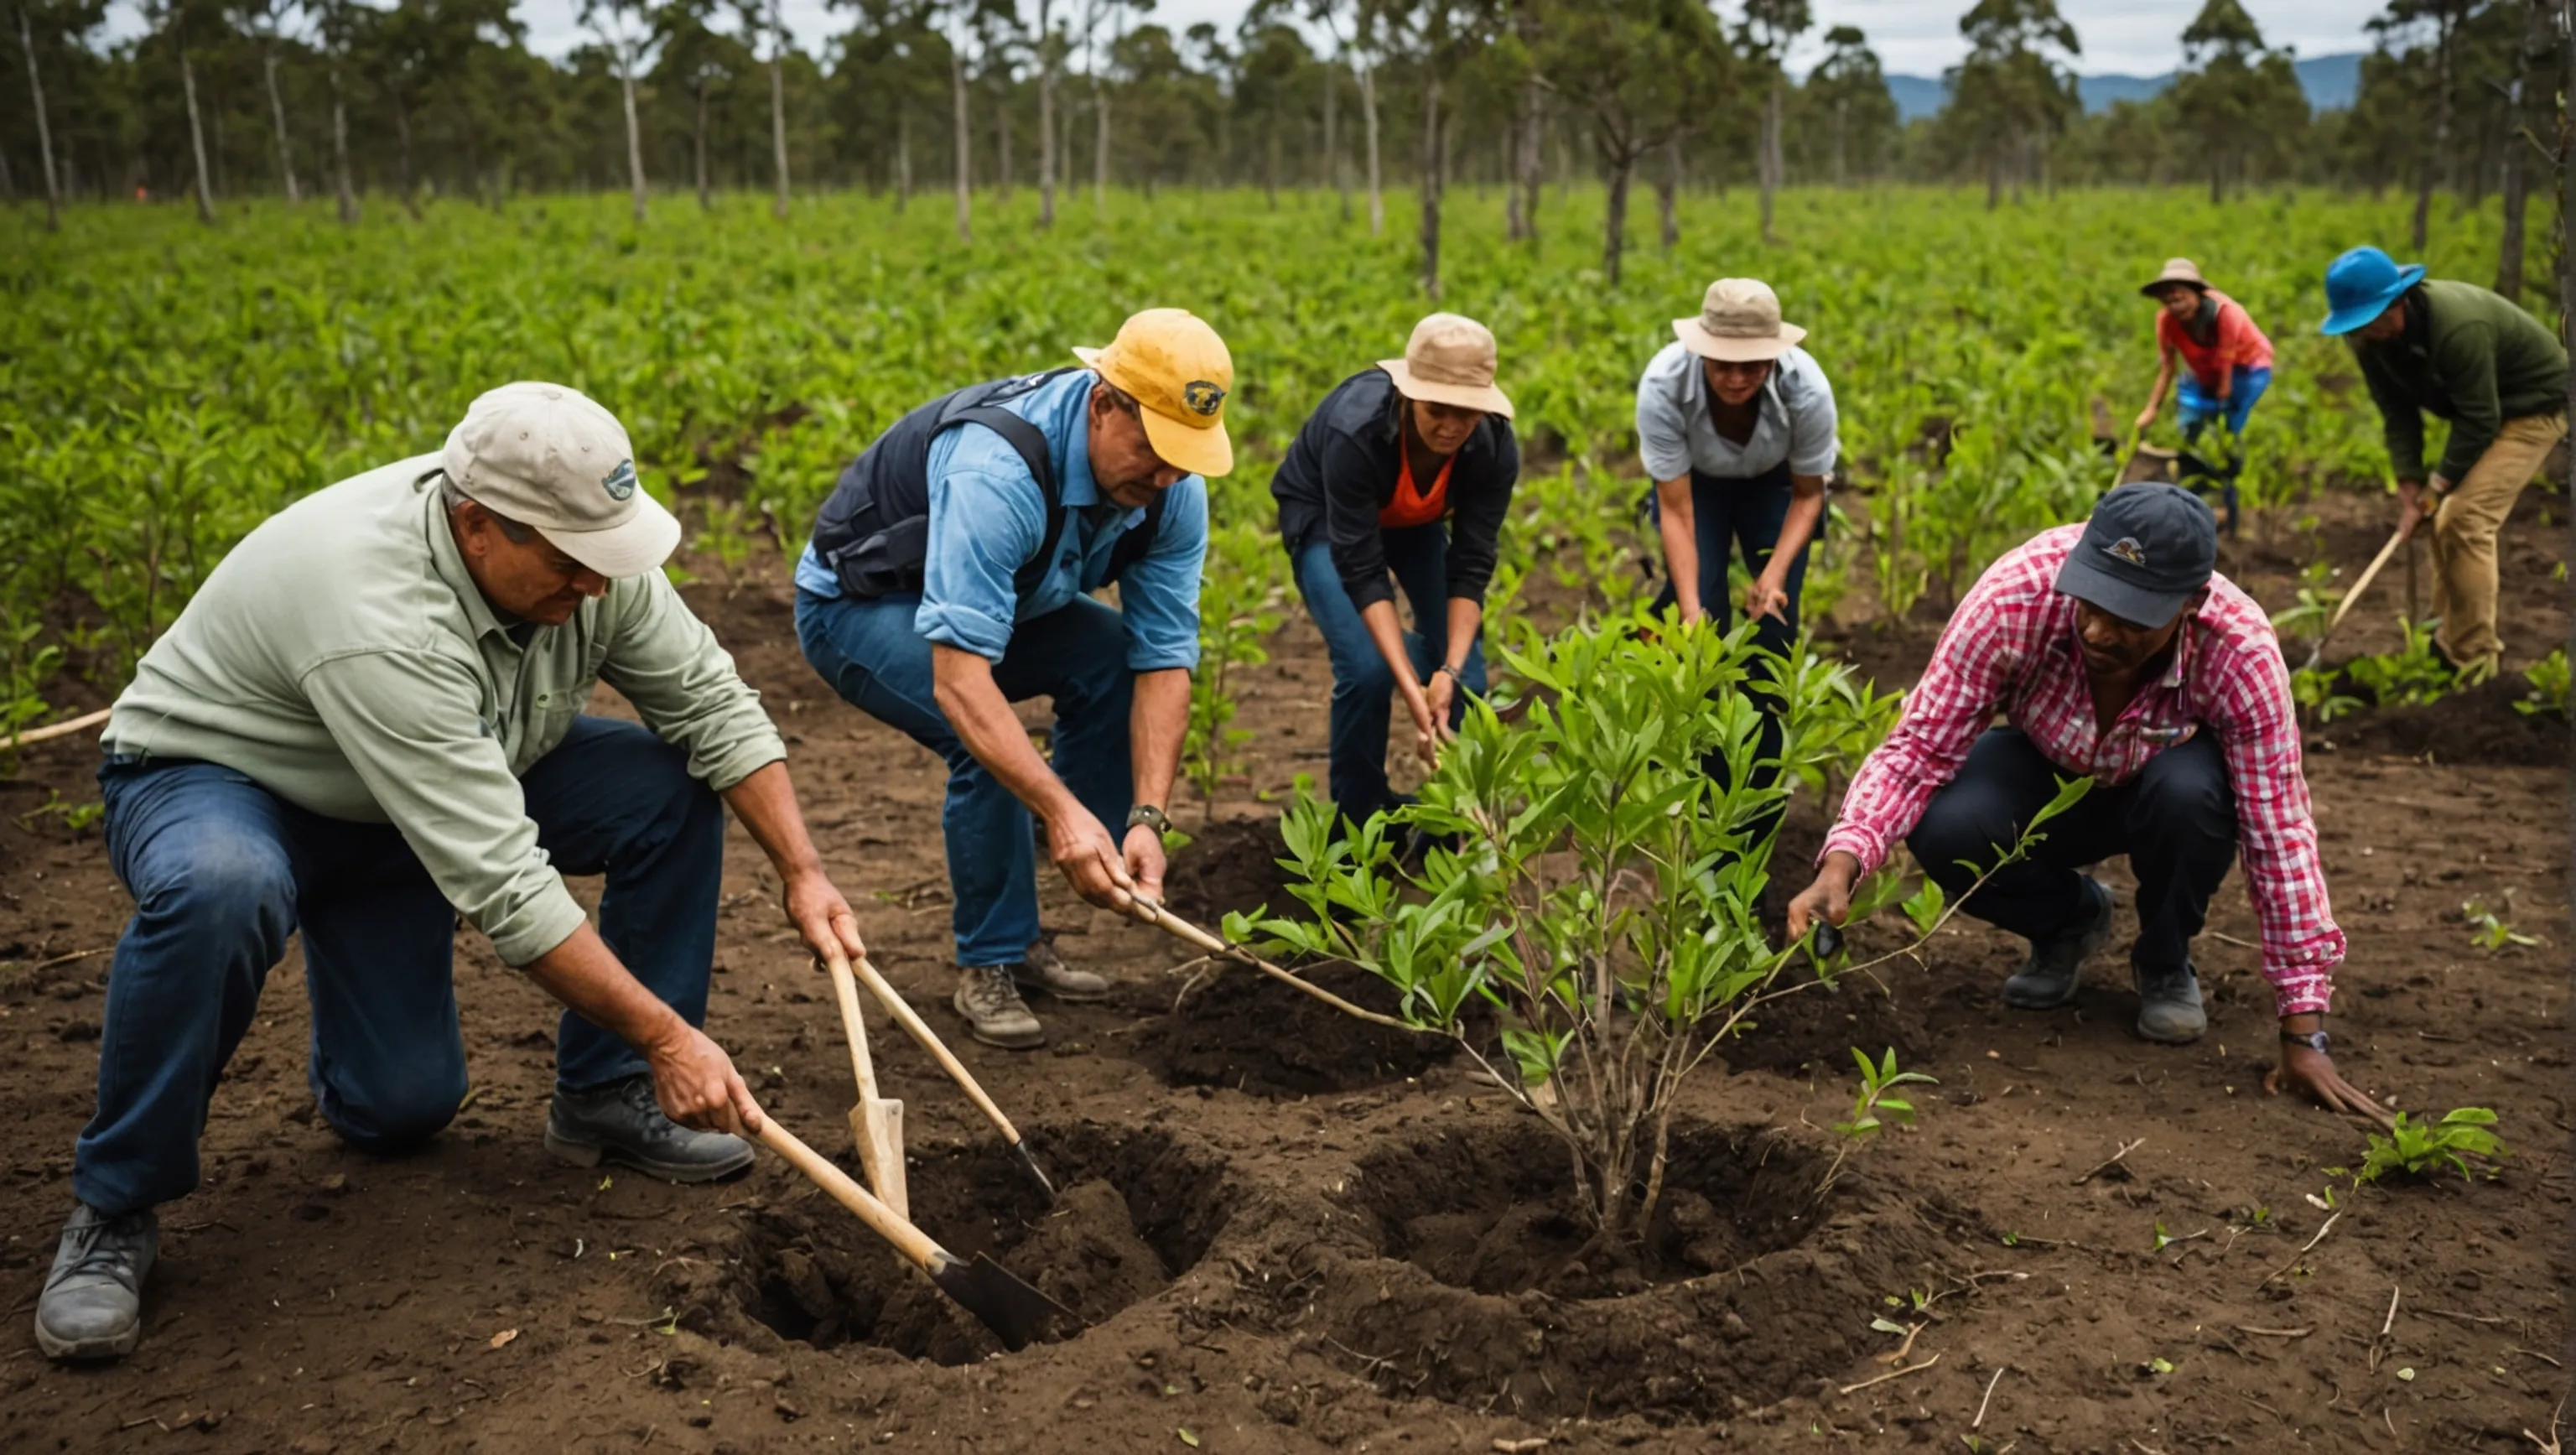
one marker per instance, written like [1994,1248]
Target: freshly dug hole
[1746,1291]
[1242,1030]
[1495,1208]
[1136,1211]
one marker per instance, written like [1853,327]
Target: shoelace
[1000,985]
[97,1255]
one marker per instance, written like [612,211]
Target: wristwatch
[1151,816]
[2313,1040]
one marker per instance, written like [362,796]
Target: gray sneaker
[988,996]
[2169,1004]
[621,1122]
[92,1306]
[1045,970]
[2048,978]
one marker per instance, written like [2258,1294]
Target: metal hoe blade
[1017,1314]
[1029,1165]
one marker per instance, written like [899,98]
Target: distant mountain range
[2330,82]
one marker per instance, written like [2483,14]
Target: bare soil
[1288,1232]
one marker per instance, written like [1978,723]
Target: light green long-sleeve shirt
[342,657]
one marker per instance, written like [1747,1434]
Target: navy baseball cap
[2146,550]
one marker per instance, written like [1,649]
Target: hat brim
[2197,285]
[2345,320]
[1205,451]
[1733,350]
[640,543]
[2127,600]
[1486,397]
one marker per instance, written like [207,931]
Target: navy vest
[874,531]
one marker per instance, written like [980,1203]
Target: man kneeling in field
[369,721]
[2113,649]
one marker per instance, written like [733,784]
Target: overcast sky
[1917,37]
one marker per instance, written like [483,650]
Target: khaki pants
[2464,535]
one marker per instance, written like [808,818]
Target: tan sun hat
[2177,270]
[1449,360]
[1739,322]
[551,457]
[1178,370]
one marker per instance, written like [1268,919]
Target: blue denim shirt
[987,516]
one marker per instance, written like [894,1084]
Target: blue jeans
[2244,386]
[2176,821]
[1075,654]
[1746,515]
[1363,683]
[222,871]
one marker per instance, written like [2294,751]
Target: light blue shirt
[1675,435]
[987,516]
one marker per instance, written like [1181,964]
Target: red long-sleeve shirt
[2011,648]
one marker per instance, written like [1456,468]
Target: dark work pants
[222,871]
[1363,684]
[2176,821]
[1746,516]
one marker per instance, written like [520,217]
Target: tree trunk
[44,126]
[1842,125]
[402,134]
[1515,214]
[706,197]
[965,147]
[2517,168]
[1614,228]
[1340,174]
[902,157]
[1533,157]
[1994,180]
[778,109]
[340,151]
[634,131]
[1099,147]
[196,132]
[1368,113]
[1046,120]
[1432,157]
[277,117]
[1002,136]
[2441,148]
[1769,161]
[1668,228]
[1270,166]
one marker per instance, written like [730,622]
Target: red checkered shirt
[2011,648]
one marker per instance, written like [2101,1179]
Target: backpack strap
[1031,444]
[1139,539]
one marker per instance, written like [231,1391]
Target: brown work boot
[990,1001]
[1045,970]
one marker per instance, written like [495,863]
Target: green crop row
[164,386]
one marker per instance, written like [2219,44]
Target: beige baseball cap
[1449,360]
[1173,364]
[1739,322]
[550,457]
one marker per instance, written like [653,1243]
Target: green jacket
[342,658]
[2468,355]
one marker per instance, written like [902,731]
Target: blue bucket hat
[2361,284]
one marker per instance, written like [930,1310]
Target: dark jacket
[1341,472]
[2471,356]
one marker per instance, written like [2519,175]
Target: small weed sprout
[2488,931]
[2548,679]
[1873,1108]
[2459,1141]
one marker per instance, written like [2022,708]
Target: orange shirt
[1411,506]
[2238,342]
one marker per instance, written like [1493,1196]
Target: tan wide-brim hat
[1739,322]
[1449,360]
[2177,270]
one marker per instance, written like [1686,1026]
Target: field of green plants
[164,386]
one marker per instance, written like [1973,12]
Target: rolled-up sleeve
[1663,437]
[2258,731]
[983,528]
[405,721]
[1159,595]
[684,686]
[1814,425]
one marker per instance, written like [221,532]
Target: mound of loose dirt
[2478,726]
[1231,865]
[1246,1031]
